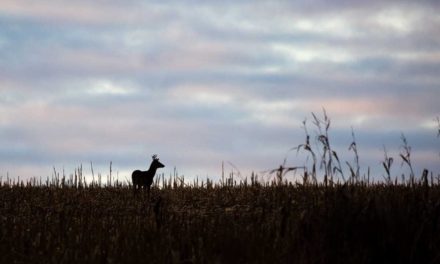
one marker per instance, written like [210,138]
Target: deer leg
[134,189]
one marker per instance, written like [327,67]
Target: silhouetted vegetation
[338,219]
[251,222]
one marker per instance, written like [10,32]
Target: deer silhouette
[144,179]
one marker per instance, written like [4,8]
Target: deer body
[144,179]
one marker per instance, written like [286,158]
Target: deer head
[156,163]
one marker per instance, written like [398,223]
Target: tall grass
[339,219]
[323,158]
[247,222]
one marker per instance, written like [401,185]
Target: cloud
[82,12]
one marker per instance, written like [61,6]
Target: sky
[204,82]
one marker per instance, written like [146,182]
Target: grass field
[247,223]
[338,218]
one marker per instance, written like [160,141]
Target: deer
[144,179]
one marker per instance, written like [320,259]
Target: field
[221,223]
[335,217]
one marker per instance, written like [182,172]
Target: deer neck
[152,169]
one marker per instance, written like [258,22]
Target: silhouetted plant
[328,154]
[438,126]
[281,171]
[355,174]
[308,148]
[405,154]
[387,163]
